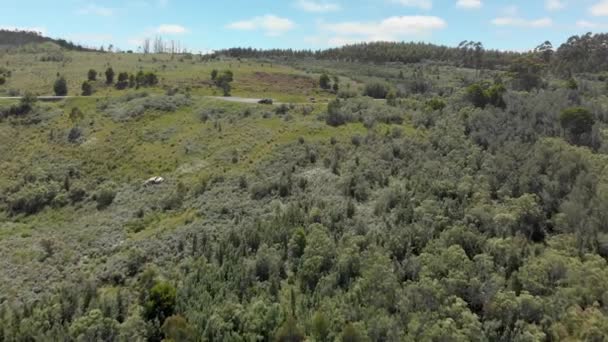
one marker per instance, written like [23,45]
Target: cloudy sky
[203,25]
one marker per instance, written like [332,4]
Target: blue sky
[311,24]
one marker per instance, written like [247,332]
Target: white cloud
[555,5]
[96,10]
[341,41]
[270,24]
[510,11]
[469,4]
[317,7]
[584,24]
[520,22]
[600,9]
[171,29]
[389,29]
[423,4]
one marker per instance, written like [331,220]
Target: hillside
[418,201]
[17,38]
[584,53]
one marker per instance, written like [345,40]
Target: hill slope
[458,204]
[16,38]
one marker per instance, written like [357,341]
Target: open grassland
[255,79]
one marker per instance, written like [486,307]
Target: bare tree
[146,46]
[159,45]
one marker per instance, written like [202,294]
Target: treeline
[467,54]
[587,53]
[14,38]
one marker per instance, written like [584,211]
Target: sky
[204,25]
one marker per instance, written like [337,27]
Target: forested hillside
[443,198]
[16,38]
[586,53]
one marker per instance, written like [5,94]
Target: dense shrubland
[473,211]
[134,105]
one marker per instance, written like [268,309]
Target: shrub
[290,332]
[26,104]
[74,135]
[146,79]
[223,81]
[2,80]
[123,81]
[160,303]
[32,197]
[76,194]
[481,97]
[347,93]
[334,114]
[150,79]
[60,87]
[226,88]
[132,81]
[577,123]
[495,94]
[262,189]
[129,108]
[391,98]
[324,82]
[76,115]
[104,196]
[176,328]
[436,104]
[477,96]
[282,109]
[92,75]
[376,90]
[109,76]
[175,198]
[87,88]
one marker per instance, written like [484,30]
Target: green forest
[392,192]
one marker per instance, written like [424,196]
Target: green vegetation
[109,76]
[578,125]
[60,87]
[376,90]
[92,75]
[324,82]
[401,202]
[223,81]
[481,95]
[87,88]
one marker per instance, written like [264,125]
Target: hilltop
[18,38]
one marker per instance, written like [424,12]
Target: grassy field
[252,79]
